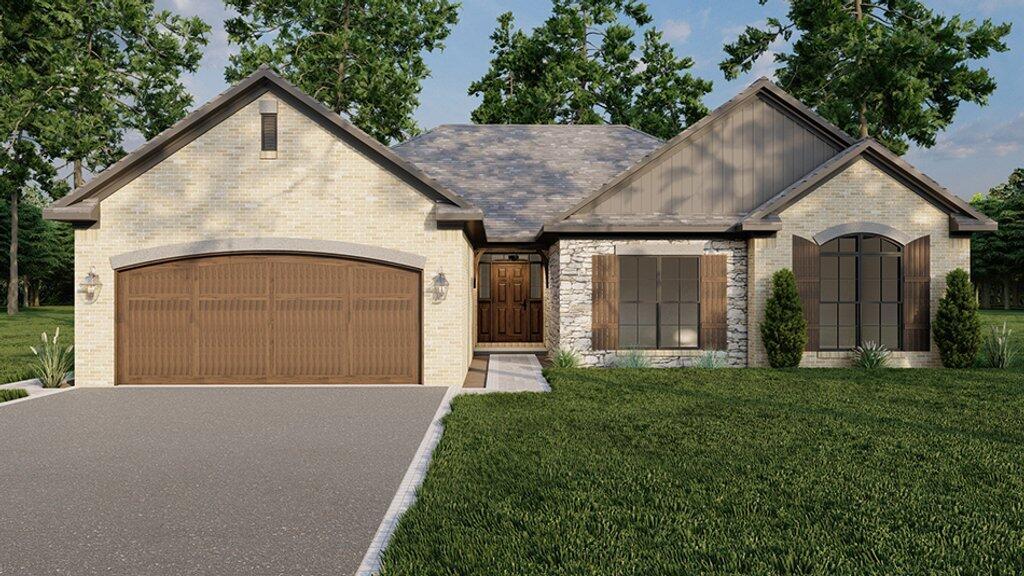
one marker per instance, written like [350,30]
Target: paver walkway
[515,373]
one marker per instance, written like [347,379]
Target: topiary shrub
[957,326]
[784,329]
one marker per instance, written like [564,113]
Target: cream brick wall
[318,188]
[862,193]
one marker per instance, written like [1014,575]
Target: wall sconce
[90,287]
[440,287]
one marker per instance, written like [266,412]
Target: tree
[784,329]
[891,69]
[46,252]
[75,77]
[361,59]
[999,256]
[957,326]
[583,66]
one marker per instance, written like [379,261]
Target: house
[264,238]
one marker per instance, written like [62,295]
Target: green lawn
[19,332]
[727,472]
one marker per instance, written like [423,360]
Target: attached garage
[268,318]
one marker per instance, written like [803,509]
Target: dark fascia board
[87,212]
[885,160]
[769,224]
[570,227]
[962,225]
[445,213]
[762,87]
[204,118]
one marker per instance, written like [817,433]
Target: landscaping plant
[53,361]
[784,329]
[957,326]
[12,394]
[710,359]
[871,356]
[631,359]
[1000,348]
[565,358]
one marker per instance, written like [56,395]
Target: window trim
[858,302]
[658,302]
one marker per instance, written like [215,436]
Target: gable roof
[762,88]
[83,204]
[963,217]
[520,175]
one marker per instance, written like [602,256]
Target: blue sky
[978,151]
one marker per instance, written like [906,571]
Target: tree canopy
[891,69]
[361,59]
[584,66]
[1000,254]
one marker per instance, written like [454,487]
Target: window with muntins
[659,302]
[861,292]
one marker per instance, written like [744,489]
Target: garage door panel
[268,318]
[233,339]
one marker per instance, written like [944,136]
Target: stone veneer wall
[317,188]
[551,300]
[861,193]
[571,269]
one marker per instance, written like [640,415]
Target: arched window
[861,292]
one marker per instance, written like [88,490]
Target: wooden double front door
[510,314]
[268,318]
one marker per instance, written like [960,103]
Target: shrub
[871,356]
[957,326]
[565,358]
[12,394]
[53,361]
[1000,348]
[710,359]
[784,329]
[632,359]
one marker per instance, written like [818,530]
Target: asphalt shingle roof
[521,176]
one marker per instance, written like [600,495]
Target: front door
[510,290]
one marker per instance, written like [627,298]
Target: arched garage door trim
[227,246]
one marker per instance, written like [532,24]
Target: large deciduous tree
[891,69]
[999,256]
[362,59]
[583,66]
[76,76]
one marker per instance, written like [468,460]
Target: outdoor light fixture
[440,287]
[90,286]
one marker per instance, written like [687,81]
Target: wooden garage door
[268,319]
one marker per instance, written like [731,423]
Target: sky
[979,150]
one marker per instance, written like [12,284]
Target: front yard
[19,332]
[727,472]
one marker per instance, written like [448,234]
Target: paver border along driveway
[193,480]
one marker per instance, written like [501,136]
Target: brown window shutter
[714,305]
[605,302]
[917,295]
[268,132]
[806,268]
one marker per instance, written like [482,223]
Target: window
[861,294]
[268,132]
[659,301]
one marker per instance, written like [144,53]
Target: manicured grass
[12,394]
[19,332]
[727,472]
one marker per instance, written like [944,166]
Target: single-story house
[264,238]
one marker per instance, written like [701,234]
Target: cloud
[677,30]
[983,139]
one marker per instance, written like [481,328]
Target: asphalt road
[210,481]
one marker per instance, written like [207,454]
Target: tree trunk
[862,113]
[79,177]
[33,294]
[12,284]
[1006,294]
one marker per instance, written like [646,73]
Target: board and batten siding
[730,167]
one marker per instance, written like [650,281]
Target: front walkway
[515,373]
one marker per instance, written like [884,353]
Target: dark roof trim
[885,160]
[87,212]
[570,227]
[204,118]
[962,225]
[445,213]
[762,87]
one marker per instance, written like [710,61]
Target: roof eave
[959,225]
[81,213]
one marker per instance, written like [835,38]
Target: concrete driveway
[204,481]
